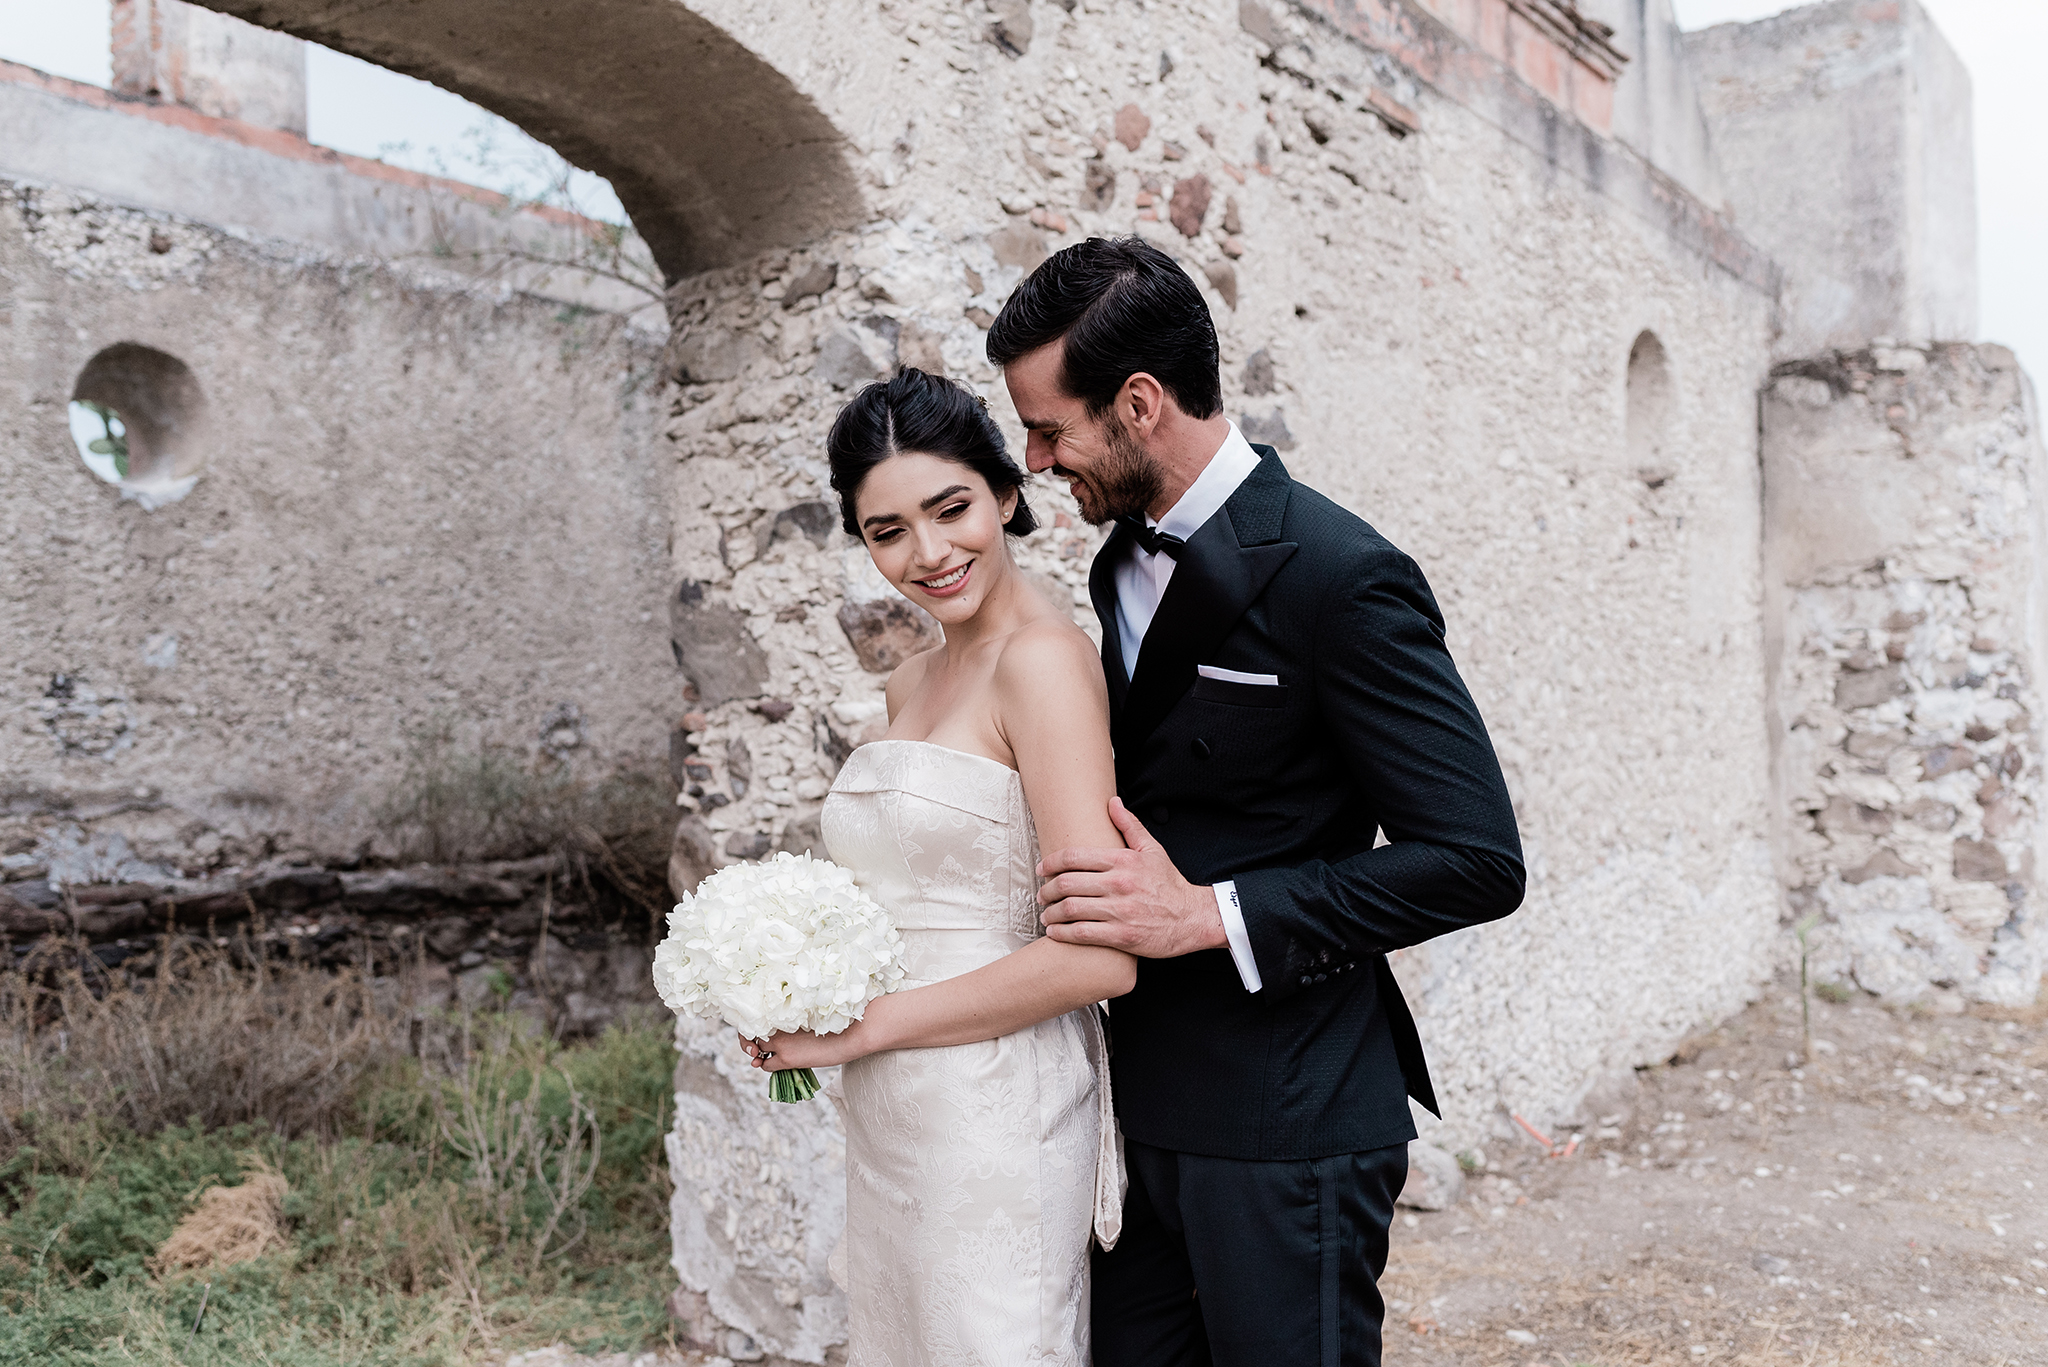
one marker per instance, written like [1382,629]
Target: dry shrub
[529,1169]
[456,804]
[231,1224]
[214,1038]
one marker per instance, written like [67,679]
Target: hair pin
[983,402]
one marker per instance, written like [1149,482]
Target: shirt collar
[1231,466]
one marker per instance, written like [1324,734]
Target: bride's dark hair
[922,413]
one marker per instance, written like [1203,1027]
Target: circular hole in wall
[1650,407]
[137,418]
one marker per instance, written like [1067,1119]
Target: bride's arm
[1053,711]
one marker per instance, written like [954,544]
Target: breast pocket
[1239,693]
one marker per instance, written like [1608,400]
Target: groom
[1281,699]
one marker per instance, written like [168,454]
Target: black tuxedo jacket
[1284,789]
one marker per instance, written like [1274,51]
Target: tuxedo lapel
[1223,569]
[1102,592]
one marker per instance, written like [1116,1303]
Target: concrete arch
[713,151]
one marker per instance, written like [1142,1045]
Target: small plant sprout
[100,433]
[1804,930]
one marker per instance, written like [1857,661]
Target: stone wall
[1512,342]
[415,507]
[1905,552]
[1434,322]
[536,936]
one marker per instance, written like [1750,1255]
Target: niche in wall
[138,418]
[1652,408]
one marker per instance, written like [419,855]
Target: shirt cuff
[1240,938]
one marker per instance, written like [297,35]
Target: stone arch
[1652,407]
[714,152]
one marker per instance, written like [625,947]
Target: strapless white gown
[976,1174]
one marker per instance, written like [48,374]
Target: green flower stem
[793,1084]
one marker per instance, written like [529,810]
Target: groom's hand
[1131,899]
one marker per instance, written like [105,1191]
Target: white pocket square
[1237,676]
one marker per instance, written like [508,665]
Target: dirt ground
[1879,1199]
[1882,1198]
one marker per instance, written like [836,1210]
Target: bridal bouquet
[791,943]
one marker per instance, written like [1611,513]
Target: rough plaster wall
[1446,322]
[209,62]
[417,506]
[1844,135]
[1656,108]
[1941,108]
[281,188]
[1905,547]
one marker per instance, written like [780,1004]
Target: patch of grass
[487,1191]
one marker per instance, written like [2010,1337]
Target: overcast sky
[367,110]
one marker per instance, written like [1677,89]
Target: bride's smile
[947,584]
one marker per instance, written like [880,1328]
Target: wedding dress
[974,1174]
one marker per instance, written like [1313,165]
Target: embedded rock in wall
[714,649]
[846,360]
[692,856]
[885,634]
[1902,494]
[706,356]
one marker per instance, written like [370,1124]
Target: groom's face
[1104,463]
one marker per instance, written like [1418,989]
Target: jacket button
[1199,748]
[1320,977]
[1306,981]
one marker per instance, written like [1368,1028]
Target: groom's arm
[1407,732]
[1406,728]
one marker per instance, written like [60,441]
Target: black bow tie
[1152,539]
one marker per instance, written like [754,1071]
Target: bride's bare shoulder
[905,678]
[1049,655]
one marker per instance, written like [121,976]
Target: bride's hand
[802,1049]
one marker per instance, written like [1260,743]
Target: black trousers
[1227,1262]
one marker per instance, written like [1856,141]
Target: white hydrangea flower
[791,943]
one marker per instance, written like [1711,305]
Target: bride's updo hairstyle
[925,414]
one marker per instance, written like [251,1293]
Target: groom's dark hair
[1122,306]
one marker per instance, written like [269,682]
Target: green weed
[501,1192]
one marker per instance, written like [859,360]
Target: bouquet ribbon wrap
[790,943]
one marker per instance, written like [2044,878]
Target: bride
[980,1148]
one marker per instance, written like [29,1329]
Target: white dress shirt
[1141,581]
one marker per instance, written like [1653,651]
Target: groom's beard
[1124,483]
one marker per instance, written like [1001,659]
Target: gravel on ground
[1873,1191]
